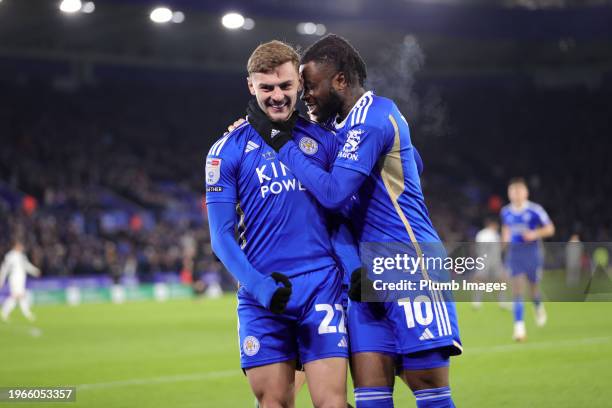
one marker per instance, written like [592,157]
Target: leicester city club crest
[308,146]
[250,345]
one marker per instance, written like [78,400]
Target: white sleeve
[3,271]
[29,268]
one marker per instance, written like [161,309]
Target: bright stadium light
[161,15]
[307,28]
[88,7]
[310,28]
[232,21]
[70,6]
[178,17]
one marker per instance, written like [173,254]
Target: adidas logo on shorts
[426,335]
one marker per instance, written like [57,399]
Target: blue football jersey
[377,144]
[281,227]
[389,209]
[530,217]
[524,257]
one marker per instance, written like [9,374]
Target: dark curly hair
[335,50]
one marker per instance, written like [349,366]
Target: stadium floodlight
[88,7]
[178,17]
[70,6]
[310,28]
[233,21]
[307,28]
[249,24]
[161,15]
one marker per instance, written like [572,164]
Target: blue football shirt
[281,227]
[520,220]
[377,144]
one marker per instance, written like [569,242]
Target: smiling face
[276,90]
[320,95]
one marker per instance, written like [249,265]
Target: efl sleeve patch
[213,171]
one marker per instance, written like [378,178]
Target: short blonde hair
[270,55]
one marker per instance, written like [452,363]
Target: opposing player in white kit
[16,267]
[488,245]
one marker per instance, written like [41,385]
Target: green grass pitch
[185,354]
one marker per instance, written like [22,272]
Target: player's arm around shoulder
[317,142]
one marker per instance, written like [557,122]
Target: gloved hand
[275,134]
[354,292]
[273,292]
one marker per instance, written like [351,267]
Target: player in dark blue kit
[290,297]
[377,164]
[525,224]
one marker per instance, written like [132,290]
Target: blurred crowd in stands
[109,178]
[103,181]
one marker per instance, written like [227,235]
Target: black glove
[361,288]
[281,296]
[275,134]
[354,292]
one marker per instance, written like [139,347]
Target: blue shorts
[423,360]
[406,330]
[525,261]
[312,328]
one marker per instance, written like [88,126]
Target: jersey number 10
[414,310]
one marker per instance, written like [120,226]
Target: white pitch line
[537,345]
[160,380]
[229,373]
[21,328]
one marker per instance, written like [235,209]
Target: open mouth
[278,107]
